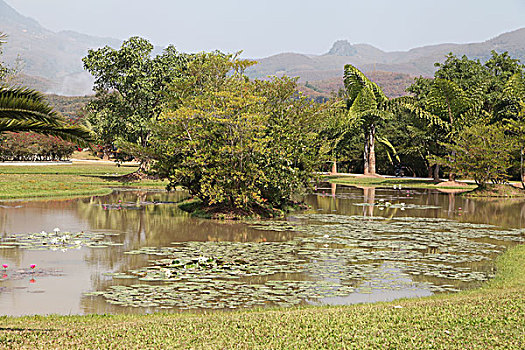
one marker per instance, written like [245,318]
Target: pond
[136,252]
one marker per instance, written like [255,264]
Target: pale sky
[265,27]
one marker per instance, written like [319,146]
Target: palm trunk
[370,154]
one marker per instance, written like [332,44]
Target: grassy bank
[388,182]
[488,318]
[67,180]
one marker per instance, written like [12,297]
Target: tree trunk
[370,154]
[436,172]
[452,175]
[521,168]
[334,168]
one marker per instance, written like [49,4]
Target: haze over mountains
[52,60]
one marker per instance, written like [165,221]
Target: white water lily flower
[202,260]
[78,242]
[53,240]
[326,236]
[56,229]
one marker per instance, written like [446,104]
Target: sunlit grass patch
[17,182]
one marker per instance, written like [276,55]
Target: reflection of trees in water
[369,195]
[157,226]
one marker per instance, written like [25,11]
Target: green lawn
[492,317]
[65,180]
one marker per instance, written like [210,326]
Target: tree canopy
[130,89]
[237,144]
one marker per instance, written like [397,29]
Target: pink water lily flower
[5,266]
[32,266]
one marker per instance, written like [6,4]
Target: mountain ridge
[54,58]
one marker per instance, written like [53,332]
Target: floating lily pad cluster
[57,240]
[220,260]
[219,294]
[130,205]
[382,205]
[26,273]
[336,255]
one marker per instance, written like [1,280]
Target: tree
[130,87]
[369,108]
[514,99]
[238,145]
[482,152]
[25,110]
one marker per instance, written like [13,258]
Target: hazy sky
[266,27]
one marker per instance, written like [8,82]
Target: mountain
[48,59]
[416,62]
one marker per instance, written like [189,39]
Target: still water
[352,245]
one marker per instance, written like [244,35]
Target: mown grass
[17,182]
[388,182]
[492,317]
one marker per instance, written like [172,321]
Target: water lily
[56,230]
[5,266]
[32,266]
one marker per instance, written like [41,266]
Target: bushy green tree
[236,144]
[130,86]
[482,152]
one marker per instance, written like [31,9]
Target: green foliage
[465,93]
[370,110]
[130,87]
[242,145]
[480,152]
[24,110]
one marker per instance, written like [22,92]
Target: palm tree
[368,107]
[25,110]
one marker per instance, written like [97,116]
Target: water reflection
[152,219]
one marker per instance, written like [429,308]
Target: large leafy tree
[236,144]
[464,93]
[481,152]
[130,86]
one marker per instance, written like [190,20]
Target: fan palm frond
[26,110]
